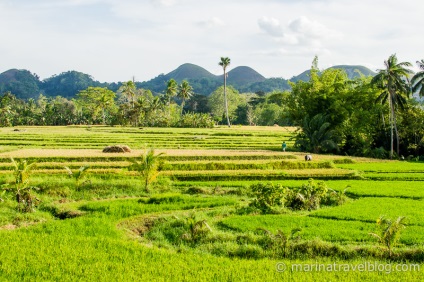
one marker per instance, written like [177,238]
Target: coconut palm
[148,167]
[224,63]
[129,89]
[417,80]
[185,91]
[393,80]
[171,90]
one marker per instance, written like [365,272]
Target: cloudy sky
[114,40]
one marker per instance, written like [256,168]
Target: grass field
[109,229]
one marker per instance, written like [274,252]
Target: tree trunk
[397,134]
[391,124]
[103,116]
[225,98]
[182,107]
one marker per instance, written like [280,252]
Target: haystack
[117,149]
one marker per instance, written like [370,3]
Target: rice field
[109,228]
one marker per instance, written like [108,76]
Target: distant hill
[204,82]
[68,84]
[242,76]
[352,72]
[189,71]
[24,84]
[201,80]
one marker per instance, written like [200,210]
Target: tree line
[365,116]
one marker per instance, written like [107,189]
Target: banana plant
[24,197]
[78,175]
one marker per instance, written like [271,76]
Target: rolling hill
[351,71]
[23,84]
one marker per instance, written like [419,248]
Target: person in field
[284,146]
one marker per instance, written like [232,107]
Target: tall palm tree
[224,63]
[185,92]
[171,90]
[418,80]
[393,80]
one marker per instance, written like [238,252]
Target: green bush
[267,197]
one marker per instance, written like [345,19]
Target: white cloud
[271,26]
[51,36]
[309,28]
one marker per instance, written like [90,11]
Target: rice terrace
[225,204]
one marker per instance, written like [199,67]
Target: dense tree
[129,90]
[97,100]
[393,81]
[217,106]
[224,63]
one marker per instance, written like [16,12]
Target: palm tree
[171,90]
[128,89]
[316,135]
[185,92]
[148,167]
[389,231]
[418,80]
[224,63]
[393,80]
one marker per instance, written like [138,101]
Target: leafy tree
[417,80]
[224,63]
[97,100]
[217,106]
[148,167]
[185,91]
[393,81]
[198,103]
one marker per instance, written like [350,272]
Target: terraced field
[109,228]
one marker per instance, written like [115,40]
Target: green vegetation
[333,112]
[105,226]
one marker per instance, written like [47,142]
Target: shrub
[308,196]
[267,197]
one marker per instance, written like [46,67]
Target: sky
[116,40]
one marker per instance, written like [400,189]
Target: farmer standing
[284,145]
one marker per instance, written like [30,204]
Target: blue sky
[114,40]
